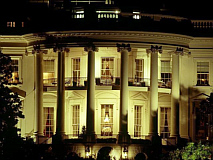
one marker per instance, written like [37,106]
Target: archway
[103,153]
[141,156]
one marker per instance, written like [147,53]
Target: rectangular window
[11,24]
[75,119]
[48,121]
[202,73]
[165,122]
[107,70]
[137,121]
[166,74]
[106,120]
[15,71]
[76,71]
[139,70]
[48,74]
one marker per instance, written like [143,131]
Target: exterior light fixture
[125,152]
[106,119]
[87,150]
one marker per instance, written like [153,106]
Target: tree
[10,111]
[206,108]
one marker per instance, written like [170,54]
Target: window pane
[202,73]
[137,121]
[76,119]
[106,120]
[48,121]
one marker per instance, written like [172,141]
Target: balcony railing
[162,83]
[69,82]
[139,82]
[111,81]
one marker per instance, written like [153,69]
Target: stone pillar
[60,117]
[90,119]
[175,96]
[153,127]
[124,93]
[39,90]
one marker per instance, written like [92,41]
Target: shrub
[192,152]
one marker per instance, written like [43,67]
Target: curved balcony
[81,82]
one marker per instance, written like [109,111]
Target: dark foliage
[10,111]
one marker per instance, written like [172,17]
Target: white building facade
[122,86]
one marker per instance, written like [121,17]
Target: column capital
[121,47]
[60,48]
[90,47]
[155,49]
[180,51]
[37,50]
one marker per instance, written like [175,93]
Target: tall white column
[175,94]
[60,119]
[90,119]
[124,93]
[39,92]
[153,127]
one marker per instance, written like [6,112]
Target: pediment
[75,95]
[200,96]
[139,96]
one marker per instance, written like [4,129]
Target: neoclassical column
[60,117]
[153,127]
[124,92]
[175,95]
[90,119]
[39,89]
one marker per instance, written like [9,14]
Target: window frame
[166,80]
[52,79]
[160,118]
[110,124]
[53,120]
[19,59]
[208,74]
[141,121]
[105,78]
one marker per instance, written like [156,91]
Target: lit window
[48,74]
[139,70]
[107,70]
[166,74]
[106,120]
[16,69]
[78,14]
[22,24]
[11,24]
[108,14]
[76,120]
[48,121]
[165,122]
[202,73]
[137,121]
[76,71]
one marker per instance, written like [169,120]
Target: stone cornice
[104,38]
[115,36]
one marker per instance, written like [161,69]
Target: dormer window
[11,24]
[108,14]
[78,13]
[136,15]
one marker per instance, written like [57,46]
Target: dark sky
[196,8]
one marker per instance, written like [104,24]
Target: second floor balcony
[78,83]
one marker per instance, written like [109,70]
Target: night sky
[186,8]
[192,9]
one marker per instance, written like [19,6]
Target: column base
[41,139]
[59,138]
[123,138]
[90,137]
